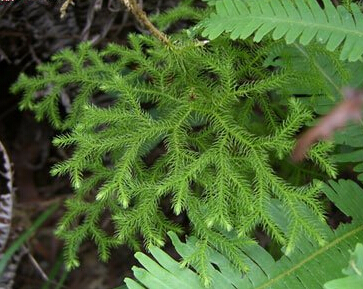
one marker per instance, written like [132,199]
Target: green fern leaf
[310,266]
[302,19]
[350,140]
[317,71]
[354,278]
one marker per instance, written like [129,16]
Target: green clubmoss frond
[182,125]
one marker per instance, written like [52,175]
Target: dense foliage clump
[200,125]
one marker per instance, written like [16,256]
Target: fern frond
[291,20]
[298,270]
[352,272]
[351,139]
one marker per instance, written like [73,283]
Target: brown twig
[144,20]
[63,9]
[37,266]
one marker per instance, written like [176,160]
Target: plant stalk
[140,15]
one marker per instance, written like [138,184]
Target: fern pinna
[304,20]
[309,266]
[207,108]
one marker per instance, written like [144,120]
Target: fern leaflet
[301,269]
[303,19]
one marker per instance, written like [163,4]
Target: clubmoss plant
[208,109]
